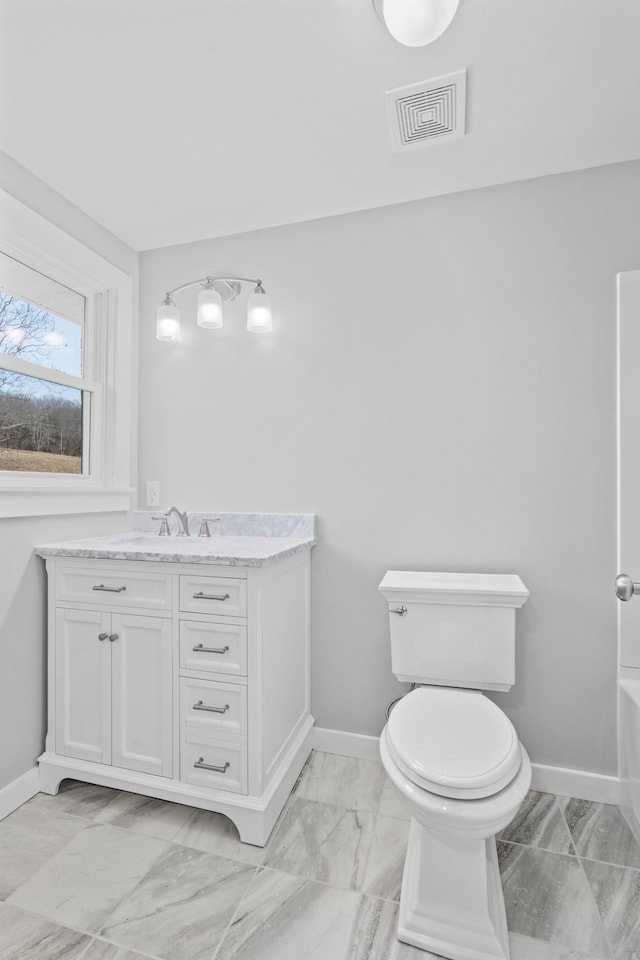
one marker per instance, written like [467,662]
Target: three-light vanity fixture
[214,292]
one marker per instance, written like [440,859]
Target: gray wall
[22,577]
[441,392]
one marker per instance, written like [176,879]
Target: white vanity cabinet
[183,681]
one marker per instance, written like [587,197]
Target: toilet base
[452,902]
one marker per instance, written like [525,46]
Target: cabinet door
[83,685]
[142,694]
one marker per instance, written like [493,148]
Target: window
[45,399]
[65,371]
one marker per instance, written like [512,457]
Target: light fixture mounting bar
[233,284]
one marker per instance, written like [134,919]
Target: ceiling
[175,120]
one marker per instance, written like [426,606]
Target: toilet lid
[456,743]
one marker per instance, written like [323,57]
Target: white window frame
[109,333]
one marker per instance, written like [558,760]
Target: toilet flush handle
[401,611]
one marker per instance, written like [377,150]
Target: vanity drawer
[220,765]
[217,595]
[101,584]
[213,708]
[213,646]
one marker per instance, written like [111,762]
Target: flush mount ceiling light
[214,291]
[416,23]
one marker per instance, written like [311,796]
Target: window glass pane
[40,425]
[41,320]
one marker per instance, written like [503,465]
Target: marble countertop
[248,540]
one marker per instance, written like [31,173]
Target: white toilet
[453,755]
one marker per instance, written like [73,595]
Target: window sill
[55,501]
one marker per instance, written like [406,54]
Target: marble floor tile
[213,833]
[526,948]
[391,803]
[540,823]
[322,841]
[154,818]
[617,894]
[383,875]
[600,832]
[181,907]
[76,799]
[287,918]
[28,839]
[547,897]
[82,883]
[345,781]
[374,934]
[24,936]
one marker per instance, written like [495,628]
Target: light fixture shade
[259,312]
[209,307]
[416,23]
[168,323]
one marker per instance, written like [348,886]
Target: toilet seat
[453,742]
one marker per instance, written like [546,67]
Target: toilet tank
[453,629]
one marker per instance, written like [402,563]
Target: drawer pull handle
[200,649]
[102,636]
[211,596]
[113,637]
[101,586]
[201,765]
[201,706]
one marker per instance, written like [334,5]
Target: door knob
[625,587]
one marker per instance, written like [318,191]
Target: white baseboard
[559,780]
[356,745]
[18,792]
[576,783]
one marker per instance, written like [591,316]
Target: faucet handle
[204,526]
[164,526]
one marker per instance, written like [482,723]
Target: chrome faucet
[183,523]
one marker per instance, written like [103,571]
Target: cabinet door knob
[102,636]
[113,636]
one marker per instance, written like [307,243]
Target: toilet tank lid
[481,589]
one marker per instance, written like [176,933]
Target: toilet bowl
[462,776]
[453,756]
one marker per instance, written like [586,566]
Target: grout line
[610,863]
[65,926]
[596,908]
[529,846]
[233,914]
[583,872]
[120,946]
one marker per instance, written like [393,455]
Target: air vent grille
[427,111]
